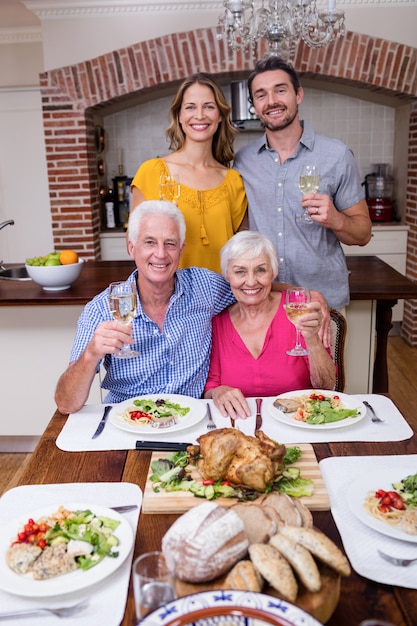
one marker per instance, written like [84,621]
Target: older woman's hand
[230,401]
[311,323]
[325,332]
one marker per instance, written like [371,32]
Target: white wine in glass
[296,305]
[169,187]
[309,182]
[123,304]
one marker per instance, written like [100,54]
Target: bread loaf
[205,542]
[259,527]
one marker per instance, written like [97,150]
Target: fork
[395,560]
[375,417]
[65,611]
[210,425]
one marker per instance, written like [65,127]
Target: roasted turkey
[229,454]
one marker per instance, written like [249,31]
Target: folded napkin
[107,599]
[361,542]
[80,427]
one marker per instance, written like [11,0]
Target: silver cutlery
[66,611]
[210,424]
[102,423]
[125,508]
[395,560]
[161,445]
[371,409]
[258,424]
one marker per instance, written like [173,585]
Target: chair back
[338,327]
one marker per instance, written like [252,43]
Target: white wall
[23,177]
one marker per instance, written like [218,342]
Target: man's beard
[270,125]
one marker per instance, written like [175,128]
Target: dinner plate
[237,608]
[195,415]
[349,402]
[372,481]
[25,585]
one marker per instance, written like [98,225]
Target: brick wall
[74,97]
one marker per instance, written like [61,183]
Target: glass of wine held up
[123,307]
[309,182]
[169,187]
[297,305]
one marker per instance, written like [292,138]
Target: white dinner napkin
[80,427]
[361,542]
[107,599]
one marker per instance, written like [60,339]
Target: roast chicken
[228,454]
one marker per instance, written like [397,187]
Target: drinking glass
[153,583]
[296,305]
[123,304]
[308,182]
[169,187]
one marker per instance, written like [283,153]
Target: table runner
[79,428]
[360,542]
[107,599]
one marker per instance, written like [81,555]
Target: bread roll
[244,576]
[205,542]
[320,546]
[275,569]
[300,559]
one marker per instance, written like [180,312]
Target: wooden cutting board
[181,501]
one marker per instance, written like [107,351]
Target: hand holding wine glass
[123,307]
[169,187]
[296,305]
[309,182]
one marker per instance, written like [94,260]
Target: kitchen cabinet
[389,243]
[113,246]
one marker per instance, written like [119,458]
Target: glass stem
[297,337]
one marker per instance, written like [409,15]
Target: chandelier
[283,23]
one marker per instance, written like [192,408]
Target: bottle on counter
[109,204]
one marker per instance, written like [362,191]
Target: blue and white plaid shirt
[173,361]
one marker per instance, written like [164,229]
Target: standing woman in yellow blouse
[212,197]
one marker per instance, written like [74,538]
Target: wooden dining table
[360,598]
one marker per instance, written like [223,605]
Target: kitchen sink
[16,272]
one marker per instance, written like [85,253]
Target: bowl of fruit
[55,271]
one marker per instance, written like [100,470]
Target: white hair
[155,207]
[251,244]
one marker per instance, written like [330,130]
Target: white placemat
[107,600]
[79,428]
[361,542]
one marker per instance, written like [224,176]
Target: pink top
[272,373]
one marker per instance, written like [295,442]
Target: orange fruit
[68,257]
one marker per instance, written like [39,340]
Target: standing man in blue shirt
[309,253]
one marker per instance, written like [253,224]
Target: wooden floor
[402,370]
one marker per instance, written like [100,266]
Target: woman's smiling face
[250,279]
[199,115]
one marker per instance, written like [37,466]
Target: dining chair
[338,327]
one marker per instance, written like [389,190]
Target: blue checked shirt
[308,254]
[173,361]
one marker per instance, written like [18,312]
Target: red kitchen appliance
[379,187]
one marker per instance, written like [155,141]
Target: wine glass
[123,303]
[169,187]
[308,182]
[296,305]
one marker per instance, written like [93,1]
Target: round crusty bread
[205,542]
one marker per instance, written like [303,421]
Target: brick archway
[72,96]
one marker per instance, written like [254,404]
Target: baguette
[245,577]
[320,546]
[275,569]
[300,559]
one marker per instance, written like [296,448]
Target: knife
[161,445]
[258,414]
[102,423]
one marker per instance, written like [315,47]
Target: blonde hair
[222,147]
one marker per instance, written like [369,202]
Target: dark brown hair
[222,147]
[271,64]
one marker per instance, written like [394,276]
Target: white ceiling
[14,14]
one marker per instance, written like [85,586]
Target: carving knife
[161,445]
[258,414]
[102,423]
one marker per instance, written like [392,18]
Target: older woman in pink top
[251,338]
